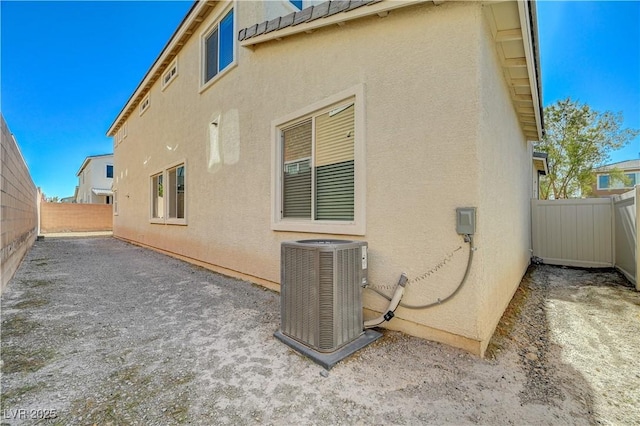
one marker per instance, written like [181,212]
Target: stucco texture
[18,204]
[435,139]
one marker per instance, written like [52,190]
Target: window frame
[204,35]
[145,103]
[164,172]
[173,66]
[107,171]
[358,225]
[616,187]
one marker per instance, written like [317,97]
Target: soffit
[514,33]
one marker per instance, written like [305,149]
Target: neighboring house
[71,199]
[95,178]
[369,120]
[606,186]
[540,168]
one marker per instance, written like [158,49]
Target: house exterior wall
[504,221]
[18,202]
[420,70]
[94,175]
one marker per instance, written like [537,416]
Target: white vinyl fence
[591,232]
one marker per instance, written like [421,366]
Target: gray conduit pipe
[393,305]
[467,238]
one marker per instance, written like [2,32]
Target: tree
[54,199]
[577,140]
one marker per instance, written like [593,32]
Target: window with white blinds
[318,166]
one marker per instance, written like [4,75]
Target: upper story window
[144,105]
[110,171]
[219,47]
[631,180]
[170,74]
[319,179]
[120,134]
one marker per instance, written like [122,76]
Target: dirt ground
[97,331]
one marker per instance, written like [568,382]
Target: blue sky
[67,68]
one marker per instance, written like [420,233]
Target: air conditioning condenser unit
[321,300]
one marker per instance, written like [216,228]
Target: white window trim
[170,68]
[612,188]
[358,225]
[204,85]
[144,101]
[165,178]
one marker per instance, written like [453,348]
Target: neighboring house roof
[540,161]
[623,165]
[88,159]
[526,93]
[99,191]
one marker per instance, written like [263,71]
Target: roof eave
[166,56]
[528,22]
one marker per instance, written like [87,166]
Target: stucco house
[605,186]
[261,123]
[95,178]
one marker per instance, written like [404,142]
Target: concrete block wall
[67,217]
[18,203]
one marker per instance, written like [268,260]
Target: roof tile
[303,16]
[320,11]
[273,25]
[286,20]
[262,28]
[337,7]
[251,31]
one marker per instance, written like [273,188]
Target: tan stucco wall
[421,69]
[504,220]
[18,198]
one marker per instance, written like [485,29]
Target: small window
[170,75]
[157,197]
[144,105]
[631,180]
[218,47]
[603,181]
[110,171]
[168,191]
[296,3]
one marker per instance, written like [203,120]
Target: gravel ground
[97,331]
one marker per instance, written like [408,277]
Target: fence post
[637,223]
